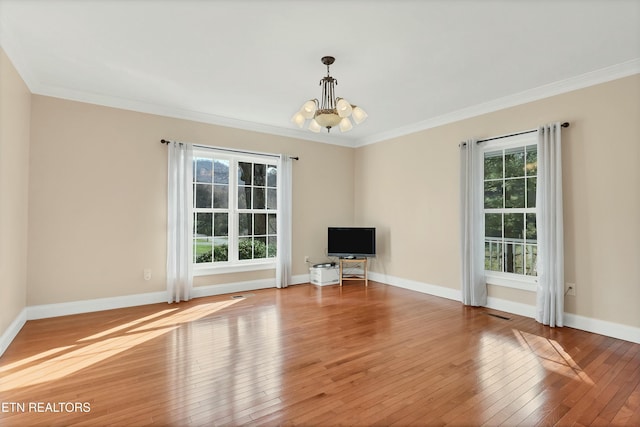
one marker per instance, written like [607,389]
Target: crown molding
[592,78]
[179,113]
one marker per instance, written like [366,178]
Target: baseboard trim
[10,333]
[507,306]
[250,285]
[414,285]
[300,279]
[230,288]
[596,326]
[602,327]
[87,306]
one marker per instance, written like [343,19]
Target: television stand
[350,262]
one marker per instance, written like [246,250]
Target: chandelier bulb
[359,115]
[314,126]
[343,107]
[309,108]
[345,125]
[298,118]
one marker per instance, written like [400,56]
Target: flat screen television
[358,242]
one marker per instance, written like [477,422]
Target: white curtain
[285,178]
[550,292]
[474,287]
[179,223]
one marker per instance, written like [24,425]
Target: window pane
[272,245]
[221,249]
[245,226]
[513,226]
[202,170]
[531,259]
[272,176]
[532,160]
[258,198]
[203,224]
[221,224]
[273,224]
[514,258]
[514,162]
[245,248]
[244,197]
[260,247]
[272,198]
[221,196]
[244,173]
[201,250]
[532,233]
[203,195]
[531,192]
[202,241]
[221,172]
[493,225]
[493,165]
[492,194]
[492,255]
[518,259]
[514,193]
[260,224]
[259,174]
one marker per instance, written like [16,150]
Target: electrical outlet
[306,258]
[147,274]
[570,289]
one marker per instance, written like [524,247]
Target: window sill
[512,281]
[236,268]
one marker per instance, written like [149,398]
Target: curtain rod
[564,125]
[464,144]
[164,141]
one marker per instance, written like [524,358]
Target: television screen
[351,241]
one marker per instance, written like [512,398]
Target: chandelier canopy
[329,111]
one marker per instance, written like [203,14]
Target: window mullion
[233,211]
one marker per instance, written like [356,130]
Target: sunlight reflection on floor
[552,356]
[127,325]
[83,354]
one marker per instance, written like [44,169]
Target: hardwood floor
[315,356]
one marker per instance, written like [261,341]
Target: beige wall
[98,197]
[15,105]
[408,187]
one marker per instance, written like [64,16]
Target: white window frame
[234,265]
[509,280]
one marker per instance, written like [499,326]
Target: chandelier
[330,111]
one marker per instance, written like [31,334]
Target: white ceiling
[251,64]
